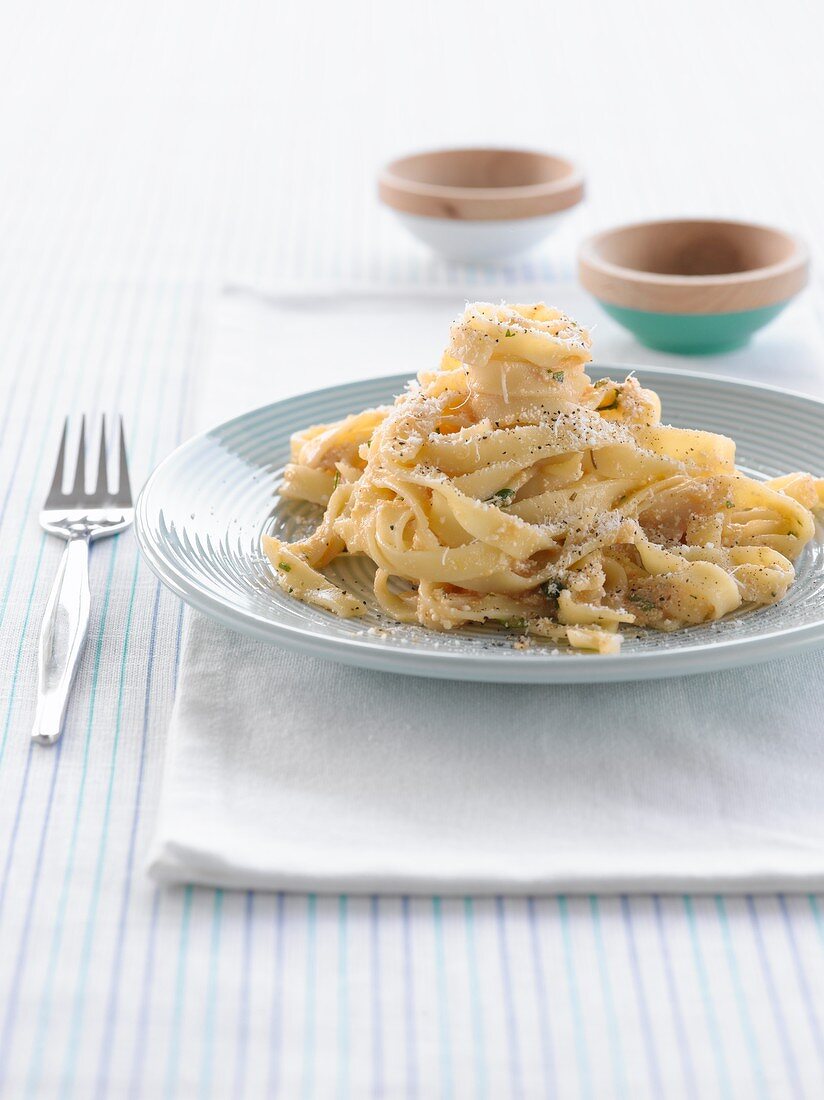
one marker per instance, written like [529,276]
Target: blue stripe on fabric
[113,998]
[444,1048]
[208,1049]
[142,1027]
[741,999]
[475,1005]
[510,1013]
[343,999]
[713,1029]
[581,1052]
[377,997]
[276,1020]
[409,1001]
[542,1003]
[179,639]
[803,981]
[310,1007]
[643,1010]
[775,1001]
[179,1003]
[244,995]
[619,1071]
[687,1066]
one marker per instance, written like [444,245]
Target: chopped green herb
[284,566]
[337,479]
[642,602]
[508,333]
[728,504]
[502,497]
[515,624]
[552,589]
[601,382]
[558,376]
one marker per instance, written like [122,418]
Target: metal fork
[79,517]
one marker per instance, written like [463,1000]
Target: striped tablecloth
[151,154]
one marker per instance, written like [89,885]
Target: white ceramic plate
[203,510]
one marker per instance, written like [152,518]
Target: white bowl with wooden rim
[693,286]
[480,204]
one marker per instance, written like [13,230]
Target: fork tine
[124,489]
[56,488]
[102,486]
[78,489]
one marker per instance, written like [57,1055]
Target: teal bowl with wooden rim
[693,287]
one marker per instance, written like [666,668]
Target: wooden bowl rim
[734,291]
[397,191]
[798,256]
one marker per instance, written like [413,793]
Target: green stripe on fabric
[208,1052]
[343,999]
[741,999]
[173,1053]
[619,1069]
[581,1052]
[817,915]
[716,1046]
[444,1051]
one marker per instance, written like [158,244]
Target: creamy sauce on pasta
[505,486]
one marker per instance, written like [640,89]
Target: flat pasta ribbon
[507,487]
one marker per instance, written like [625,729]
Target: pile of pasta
[506,486]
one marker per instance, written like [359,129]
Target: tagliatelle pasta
[506,486]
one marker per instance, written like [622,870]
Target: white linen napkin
[286,772]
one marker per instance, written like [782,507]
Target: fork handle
[62,635]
